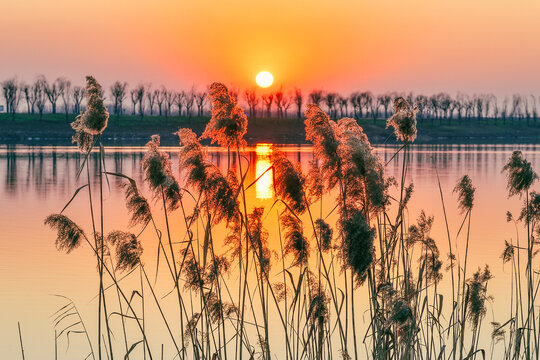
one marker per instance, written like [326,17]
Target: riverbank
[130,130]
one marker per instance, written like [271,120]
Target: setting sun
[264,79]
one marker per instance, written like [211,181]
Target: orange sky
[420,45]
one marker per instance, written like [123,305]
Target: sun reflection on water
[264,186]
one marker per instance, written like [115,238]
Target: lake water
[37,181]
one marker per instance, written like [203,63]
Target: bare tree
[179,99]
[287,102]
[53,93]
[134,100]
[78,96]
[253,100]
[201,100]
[152,96]
[330,99]
[160,99]
[343,106]
[39,85]
[189,99]
[140,90]
[354,100]
[64,89]
[278,99]
[384,100]
[267,102]
[170,98]
[298,100]
[316,97]
[28,96]
[10,89]
[118,92]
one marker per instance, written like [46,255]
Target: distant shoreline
[133,131]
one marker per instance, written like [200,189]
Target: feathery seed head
[520,174]
[69,234]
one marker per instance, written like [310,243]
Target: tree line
[43,96]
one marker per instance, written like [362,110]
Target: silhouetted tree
[118,92]
[78,96]
[179,99]
[151,96]
[140,90]
[160,99]
[384,100]
[200,99]
[330,101]
[253,100]
[267,102]
[170,98]
[189,99]
[40,84]
[278,99]
[64,89]
[316,97]
[10,90]
[53,93]
[298,100]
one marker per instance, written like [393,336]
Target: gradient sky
[343,45]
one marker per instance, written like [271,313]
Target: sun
[264,79]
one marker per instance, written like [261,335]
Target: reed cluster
[238,297]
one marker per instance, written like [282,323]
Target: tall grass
[301,303]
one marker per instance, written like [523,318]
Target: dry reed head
[520,174]
[357,246]
[296,243]
[531,209]
[259,239]
[219,266]
[320,131]
[288,181]
[325,232]
[362,168]
[128,249]
[478,295]
[228,123]
[96,116]
[158,173]
[193,274]
[508,252]
[404,120]
[69,234]
[136,205]
[314,182]
[465,190]
[83,139]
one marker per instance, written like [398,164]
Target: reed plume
[465,191]
[228,123]
[136,204]
[356,248]
[69,234]
[296,243]
[94,120]
[219,192]
[158,173]
[403,120]
[478,295]
[320,131]
[325,233]
[128,249]
[520,174]
[288,181]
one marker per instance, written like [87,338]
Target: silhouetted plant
[69,234]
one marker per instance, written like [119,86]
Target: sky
[473,46]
